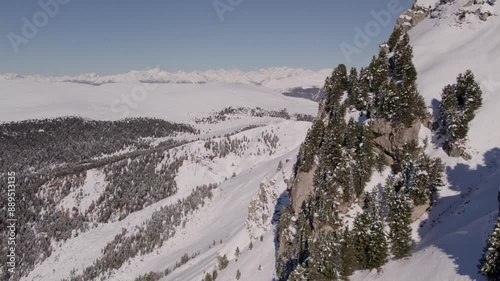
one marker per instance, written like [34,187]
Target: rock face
[412,17]
[456,150]
[391,139]
[302,188]
[419,211]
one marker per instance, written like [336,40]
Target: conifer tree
[350,140]
[333,140]
[378,249]
[451,118]
[208,277]
[394,38]
[223,262]
[343,176]
[347,255]
[335,85]
[364,160]
[324,260]
[469,94]
[237,252]
[418,175]
[361,237]
[361,90]
[399,219]
[387,100]
[411,105]
[458,106]
[404,70]
[489,265]
[378,70]
[310,147]
[352,86]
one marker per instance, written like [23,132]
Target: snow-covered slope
[452,236]
[222,219]
[278,78]
[249,174]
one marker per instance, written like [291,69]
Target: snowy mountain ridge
[278,78]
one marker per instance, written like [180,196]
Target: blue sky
[115,36]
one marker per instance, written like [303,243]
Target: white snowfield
[25,99]
[455,231]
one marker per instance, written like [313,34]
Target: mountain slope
[452,236]
[240,135]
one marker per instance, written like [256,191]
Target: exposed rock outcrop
[456,150]
[302,188]
[391,139]
[412,17]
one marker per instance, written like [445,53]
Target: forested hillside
[364,175]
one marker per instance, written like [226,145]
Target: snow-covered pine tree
[378,70]
[394,38]
[378,249]
[324,262]
[325,202]
[411,105]
[400,208]
[387,100]
[343,176]
[417,174]
[350,140]
[348,261]
[370,241]
[364,160]
[469,94]
[352,85]
[361,238]
[489,265]
[310,147]
[404,69]
[450,116]
[458,106]
[362,90]
[333,140]
[335,85]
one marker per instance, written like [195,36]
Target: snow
[427,3]
[173,102]
[90,191]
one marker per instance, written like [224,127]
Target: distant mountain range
[278,78]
